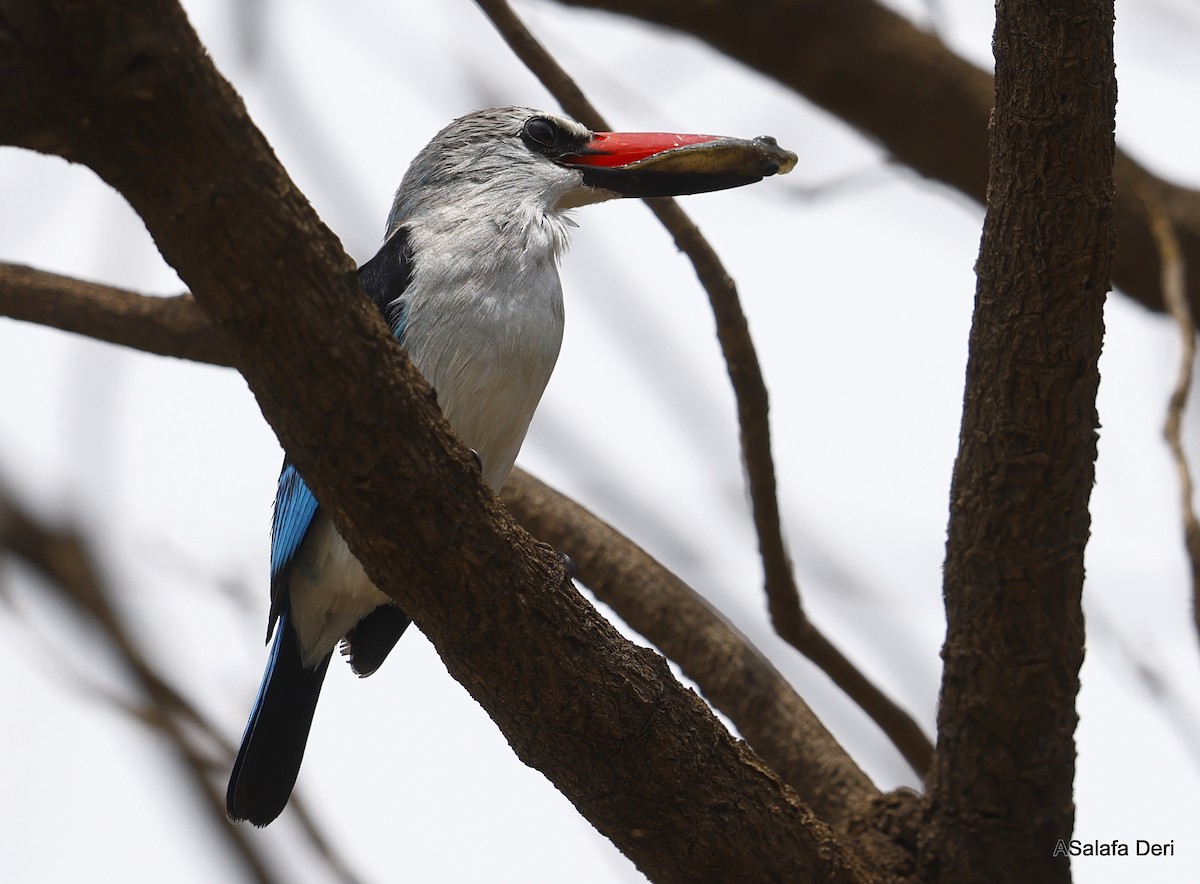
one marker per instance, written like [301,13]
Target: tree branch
[171,326]
[903,87]
[750,391]
[1001,793]
[734,675]
[731,672]
[128,90]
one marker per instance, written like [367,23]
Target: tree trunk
[1001,794]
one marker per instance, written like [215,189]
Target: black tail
[273,745]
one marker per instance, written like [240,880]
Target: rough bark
[1001,794]
[734,676]
[128,90]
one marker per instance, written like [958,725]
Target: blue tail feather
[273,745]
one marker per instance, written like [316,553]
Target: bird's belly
[489,357]
[494,425]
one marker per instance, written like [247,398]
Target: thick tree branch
[902,86]
[128,90]
[731,672]
[750,390]
[1002,788]
[734,675]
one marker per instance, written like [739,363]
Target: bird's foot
[568,564]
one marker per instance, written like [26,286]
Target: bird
[467,279]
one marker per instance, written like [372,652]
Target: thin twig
[1174,291]
[750,391]
[733,331]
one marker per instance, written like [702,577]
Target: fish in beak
[650,164]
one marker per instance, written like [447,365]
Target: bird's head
[537,161]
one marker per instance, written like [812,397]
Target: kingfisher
[467,279]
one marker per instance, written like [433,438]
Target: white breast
[484,326]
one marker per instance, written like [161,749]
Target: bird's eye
[541,132]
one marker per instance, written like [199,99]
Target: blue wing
[295,509]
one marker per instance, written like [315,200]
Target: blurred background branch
[63,556]
[1174,289]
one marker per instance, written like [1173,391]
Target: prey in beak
[653,164]
[647,164]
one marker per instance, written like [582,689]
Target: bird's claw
[478,460]
[568,564]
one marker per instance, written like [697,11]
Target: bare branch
[171,326]
[750,390]
[1174,287]
[733,674]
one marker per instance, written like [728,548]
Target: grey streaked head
[498,158]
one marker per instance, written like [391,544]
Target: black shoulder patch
[385,277]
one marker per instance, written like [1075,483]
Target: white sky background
[859,297]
